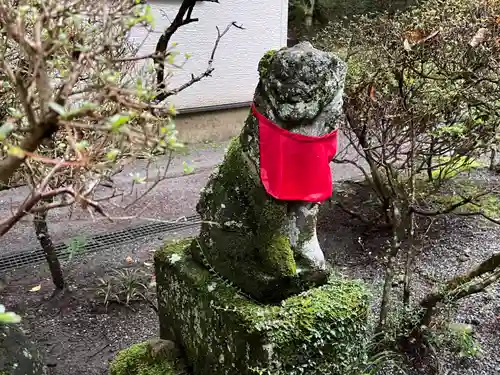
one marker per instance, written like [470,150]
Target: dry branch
[76,116]
[207,73]
[471,282]
[183,17]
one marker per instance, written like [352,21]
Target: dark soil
[449,246]
[79,336]
[76,331]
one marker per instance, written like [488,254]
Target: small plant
[188,169]
[8,317]
[461,340]
[75,246]
[127,286]
[385,361]
[383,356]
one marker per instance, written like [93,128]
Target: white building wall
[236,60]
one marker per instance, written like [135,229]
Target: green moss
[449,168]
[278,255]
[247,244]
[265,62]
[454,191]
[169,248]
[264,213]
[275,250]
[320,331]
[176,254]
[139,360]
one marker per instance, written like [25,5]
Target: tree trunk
[42,233]
[309,14]
[429,161]
[308,20]
[459,287]
[492,159]
[389,271]
[386,295]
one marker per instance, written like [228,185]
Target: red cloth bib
[295,167]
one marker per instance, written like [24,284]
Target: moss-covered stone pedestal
[152,357]
[222,332]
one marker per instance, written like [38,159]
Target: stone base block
[321,331]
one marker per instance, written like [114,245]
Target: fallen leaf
[36,288]
[430,36]
[406,45]
[417,37]
[147,264]
[129,260]
[372,92]
[480,37]
[414,35]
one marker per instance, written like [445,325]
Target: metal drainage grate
[103,241]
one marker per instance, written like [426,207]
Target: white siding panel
[235,75]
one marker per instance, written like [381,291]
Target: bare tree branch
[182,18]
[207,73]
[462,286]
[452,207]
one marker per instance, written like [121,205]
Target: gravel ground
[75,332]
[79,337]
[451,246]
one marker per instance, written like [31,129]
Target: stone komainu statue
[266,246]
[259,233]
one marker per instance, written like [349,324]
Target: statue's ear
[265,63]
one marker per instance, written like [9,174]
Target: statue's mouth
[297,113]
[293,93]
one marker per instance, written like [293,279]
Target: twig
[451,208]
[99,350]
[155,183]
[153,55]
[207,73]
[28,205]
[38,194]
[479,213]
[47,178]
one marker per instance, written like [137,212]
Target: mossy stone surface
[267,247]
[18,354]
[153,357]
[320,331]
[243,232]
